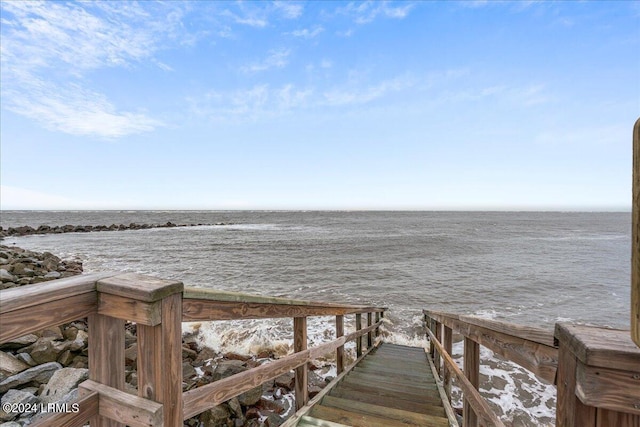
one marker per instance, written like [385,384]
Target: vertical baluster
[301,378]
[340,350]
[472,372]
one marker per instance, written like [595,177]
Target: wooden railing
[529,347]
[159,307]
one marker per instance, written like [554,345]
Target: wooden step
[390,370]
[435,409]
[407,417]
[397,365]
[389,384]
[307,421]
[354,419]
[433,397]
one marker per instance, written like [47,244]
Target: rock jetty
[27,230]
[47,366]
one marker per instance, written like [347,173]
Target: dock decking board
[391,386]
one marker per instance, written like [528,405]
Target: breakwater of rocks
[27,230]
[46,367]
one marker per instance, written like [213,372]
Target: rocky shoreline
[27,230]
[46,367]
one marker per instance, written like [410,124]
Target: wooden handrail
[207,304]
[158,307]
[530,347]
[471,395]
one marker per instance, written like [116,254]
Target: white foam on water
[514,393]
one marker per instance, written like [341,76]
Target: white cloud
[307,33]
[48,47]
[275,59]
[367,12]
[75,110]
[347,96]
[289,9]
[253,17]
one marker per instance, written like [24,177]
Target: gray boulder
[10,365]
[13,397]
[39,374]
[61,383]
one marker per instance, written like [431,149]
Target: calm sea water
[532,268]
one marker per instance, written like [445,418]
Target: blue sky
[318,105]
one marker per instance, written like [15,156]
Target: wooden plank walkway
[392,386]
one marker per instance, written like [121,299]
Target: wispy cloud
[253,17]
[307,33]
[367,12]
[274,59]
[350,96]
[75,110]
[289,9]
[265,102]
[250,104]
[48,47]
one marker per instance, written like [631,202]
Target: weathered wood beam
[635,239]
[340,349]
[448,345]
[359,340]
[141,312]
[472,372]
[22,321]
[301,373]
[203,310]
[609,388]
[139,287]
[370,333]
[123,407]
[43,293]
[106,357]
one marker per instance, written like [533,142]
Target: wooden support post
[436,356]
[472,372]
[300,344]
[377,320]
[432,326]
[340,349]
[370,334]
[635,239]
[106,357]
[448,345]
[159,330]
[359,339]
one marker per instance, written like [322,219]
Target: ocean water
[534,268]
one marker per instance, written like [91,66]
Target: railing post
[106,357]
[156,307]
[370,334]
[340,350]
[436,355]
[378,327]
[359,339]
[432,326]
[635,238]
[472,372]
[448,345]
[300,344]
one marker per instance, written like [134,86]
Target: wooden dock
[393,385]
